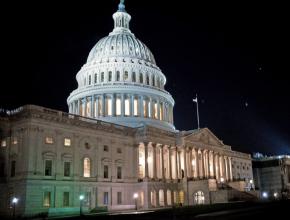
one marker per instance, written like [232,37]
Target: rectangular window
[49,140]
[155,111]
[3,143]
[13,168]
[144,108]
[67,142]
[106,171]
[48,168]
[109,106]
[46,199]
[119,150]
[106,198]
[149,111]
[119,172]
[106,148]
[65,199]
[135,107]
[127,107]
[118,106]
[66,171]
[119,198]
[161,112]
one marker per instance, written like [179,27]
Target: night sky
[236,57]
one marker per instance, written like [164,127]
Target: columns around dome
[102,106]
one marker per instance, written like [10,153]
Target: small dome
[120,45]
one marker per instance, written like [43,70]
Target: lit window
[144,108]
[106,148]
[3,143]
[119,150]
[106,171]
[125,76]
[66,167]
[119,172]
[118,106]
[87,167]
[135,107]
[100,106]
[67,142]
[161,112]
[14,140]
[109,106]
[88,109]
[48,168]
[127,107]
[46,199]
[199,197]
[155,111]
[49,140]
[119,198]
[149,107]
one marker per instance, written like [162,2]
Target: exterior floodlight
[265,195]
[135,195]
[275,194]
[82,197]
[222,179]
[81,204]
[251,181]
[14,200]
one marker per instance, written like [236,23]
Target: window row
[104,77]
[86,171]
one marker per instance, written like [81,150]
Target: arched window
[87,167]
[153,80]
[110,76]
[96,78]
[126,76]
[133,77]
[199,197]
[102,77]
[141,78]
[147,79]
[90,79]
[118,76]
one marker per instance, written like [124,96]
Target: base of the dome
[138,122]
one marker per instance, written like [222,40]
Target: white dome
[121,83]
[120,45]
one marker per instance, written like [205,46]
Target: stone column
[189,163]
[154,161]
[92,106]
[202,163]
[85,108]
[158,109]
[226,167]
[231,172]
[97,106]
[113,105]
[208,165]
[132,106]
[176,164]
[150,110]
[162,162]
[122,105]
[196,162]
[170,163]
[141,110]
[213,165]
[103,105]
[185,162]
[146,159]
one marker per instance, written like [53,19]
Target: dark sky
[235,56]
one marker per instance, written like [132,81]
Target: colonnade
[122,105]
[158,161]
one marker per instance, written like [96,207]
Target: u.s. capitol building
[117,146]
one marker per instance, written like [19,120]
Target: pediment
[205,136]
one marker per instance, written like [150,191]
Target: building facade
[272,176]
[118,140]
